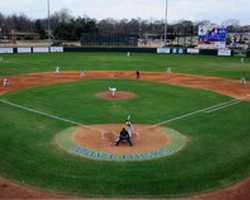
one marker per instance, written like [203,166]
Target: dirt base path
[224,86]
[227,87]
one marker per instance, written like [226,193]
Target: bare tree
[231,22]
[22,23]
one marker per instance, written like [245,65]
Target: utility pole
[166,24]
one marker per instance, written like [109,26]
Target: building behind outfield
[109,40]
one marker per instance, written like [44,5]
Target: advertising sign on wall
[6,50]
[176,50]
[24,50]
[224,52]
[41,50]
[193,51]
[56,49]
[163,50]
[240,53]
[212,38]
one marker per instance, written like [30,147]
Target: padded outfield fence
[194,51]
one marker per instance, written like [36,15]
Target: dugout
[109,40]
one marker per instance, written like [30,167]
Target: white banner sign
[193,51]
[224,52]
[23,50]
[40,49]
[56,49]
[163,50]
[6,50]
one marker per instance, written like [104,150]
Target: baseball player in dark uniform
[137,74]
[124,136]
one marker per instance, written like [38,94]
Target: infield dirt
[227,87]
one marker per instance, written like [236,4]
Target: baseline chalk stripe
[222,107]
[204,110]
[49,115]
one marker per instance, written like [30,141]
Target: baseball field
[57,135]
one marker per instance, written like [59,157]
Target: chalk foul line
[204,110]
[49,115]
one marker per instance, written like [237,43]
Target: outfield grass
[216,156]
[228,67]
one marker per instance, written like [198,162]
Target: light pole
[166,26]
[49,27]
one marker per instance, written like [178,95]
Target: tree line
[64,26]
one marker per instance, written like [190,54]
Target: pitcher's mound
[119,95]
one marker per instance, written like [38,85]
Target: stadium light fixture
[166,24]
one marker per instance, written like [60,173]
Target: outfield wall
[219,52]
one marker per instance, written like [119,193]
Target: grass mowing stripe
[49,115]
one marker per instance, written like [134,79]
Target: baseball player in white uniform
[243,80]
[58,70]
[6,82]
[169,71]
[129,126]
[112,90]
[82,73]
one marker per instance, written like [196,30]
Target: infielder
[137,74]
[6,82]
[169,71]
[58,70]
[82,73]
[243,80]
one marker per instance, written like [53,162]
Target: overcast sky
[195,10]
